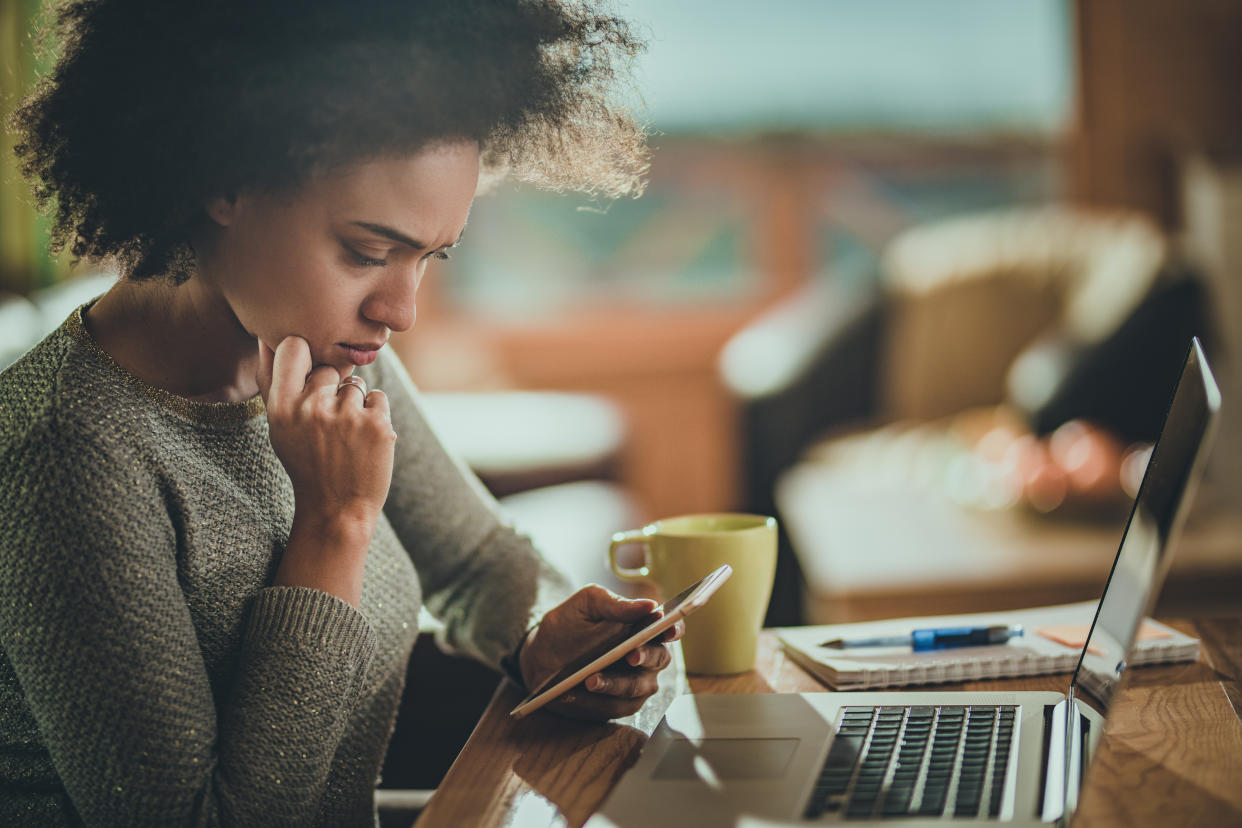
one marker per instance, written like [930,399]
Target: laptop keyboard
[891,762]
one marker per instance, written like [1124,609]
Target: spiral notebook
[1051,642]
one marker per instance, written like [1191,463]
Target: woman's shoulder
[55,392]
[65,454]
[29,388]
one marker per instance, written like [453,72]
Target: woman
[220,507]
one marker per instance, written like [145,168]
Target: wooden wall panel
[1155,78]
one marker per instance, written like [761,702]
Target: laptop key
[897,807]
[967,803]
[833,784]
[844,752]
[834,777]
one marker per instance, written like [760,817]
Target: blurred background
[916,276]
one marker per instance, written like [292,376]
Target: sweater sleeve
[98,632]
[483,580]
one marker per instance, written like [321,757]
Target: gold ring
[353,382]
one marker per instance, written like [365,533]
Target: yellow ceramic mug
[723,636]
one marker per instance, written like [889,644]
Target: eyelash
[367,261]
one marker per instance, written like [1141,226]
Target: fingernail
[597,682]
[635,658]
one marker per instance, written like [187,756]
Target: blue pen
[940,638]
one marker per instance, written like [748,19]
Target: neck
[183,339]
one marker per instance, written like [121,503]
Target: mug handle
[635,536]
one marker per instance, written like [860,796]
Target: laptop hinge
[1077,756]
[1055,762]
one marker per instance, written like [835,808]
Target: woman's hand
[589,616]
[337,447]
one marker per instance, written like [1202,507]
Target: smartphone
[616,647]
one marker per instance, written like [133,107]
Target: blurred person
[220,506]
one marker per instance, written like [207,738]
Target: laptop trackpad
[727,759]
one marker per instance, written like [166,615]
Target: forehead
[426,194]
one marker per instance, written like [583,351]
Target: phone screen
[638,634]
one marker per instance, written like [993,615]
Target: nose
[393,303]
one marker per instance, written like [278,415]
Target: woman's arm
[486,582]
[490,586]
[336,443]
[96,627]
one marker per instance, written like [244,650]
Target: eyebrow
[398,236]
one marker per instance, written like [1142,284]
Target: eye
[364,261]
[442,255]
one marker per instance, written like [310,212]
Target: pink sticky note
[1075,635]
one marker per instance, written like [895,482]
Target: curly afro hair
[153,107]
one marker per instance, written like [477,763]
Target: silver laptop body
[1018,758]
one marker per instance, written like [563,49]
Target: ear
[222,209]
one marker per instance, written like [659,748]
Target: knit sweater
[150,674]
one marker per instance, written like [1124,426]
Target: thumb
[267,358]
[605,605]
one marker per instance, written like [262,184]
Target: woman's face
[339,260]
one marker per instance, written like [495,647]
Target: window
[792,135]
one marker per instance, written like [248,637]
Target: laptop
[926,758]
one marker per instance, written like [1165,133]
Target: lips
[361,354]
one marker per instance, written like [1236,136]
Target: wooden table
[1172,756]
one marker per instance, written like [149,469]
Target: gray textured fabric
[149,675]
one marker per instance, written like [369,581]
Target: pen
[940,638]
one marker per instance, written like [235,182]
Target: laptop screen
[1159,508]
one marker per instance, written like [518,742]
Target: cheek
[276,302]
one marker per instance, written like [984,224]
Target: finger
[605,605]
[349,394]
[377,401]
[650,657]
[289,369]
[674,632]
[264,374]
[322,379]
[636,685]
